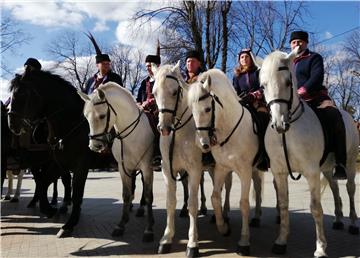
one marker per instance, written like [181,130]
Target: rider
[193,69]
[146,99]
[104,74]
[309,69]
[247,85]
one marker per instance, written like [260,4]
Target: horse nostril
[272,126]
[206,146]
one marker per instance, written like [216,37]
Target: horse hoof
[140,212]
[278,249]
[228,232]
[254,223]
[184,213]
[203,211]
[14,200]
[148,237]
[7,198]
[131,207]
[50,212]
[278,220]
[324,256]
[164,248]
[64,233]
[243,250]
[118,232]
[63,209]
[353,230]
[213,219]
[338,225]
[32,204]
[53,202]
[192,252]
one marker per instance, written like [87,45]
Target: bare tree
[74,56]
[352,48]
[11,37]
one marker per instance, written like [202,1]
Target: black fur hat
[33,62]
[193,54]
[303,35]
[153,59]
[100,57]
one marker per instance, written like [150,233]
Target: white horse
[111,105]
[305,145]
[225,127]
[179,151]
[10,176]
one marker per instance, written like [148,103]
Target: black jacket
[141,95]
[309,70]
[110,77]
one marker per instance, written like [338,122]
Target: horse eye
[207,110]
[102,116]
[174,94]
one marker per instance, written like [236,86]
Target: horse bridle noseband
[179,93]
[105,134]
[290,101]
[211,129]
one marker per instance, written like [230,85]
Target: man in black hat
[103,75]
[309,69]
[193,70]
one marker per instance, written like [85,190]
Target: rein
[289,104]
[211,129]
[173,112]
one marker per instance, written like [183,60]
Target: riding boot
[264,161]
[339,143]
[208,159]
[157,154]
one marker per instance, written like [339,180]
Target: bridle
[289,102]
[211,129]
[105,136]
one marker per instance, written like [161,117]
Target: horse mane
[220,85]
[164,70]
[271,63]
[42,76]
[112,85]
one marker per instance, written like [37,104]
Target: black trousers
[333,125]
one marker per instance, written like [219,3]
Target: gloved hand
[302,91]
[256,95]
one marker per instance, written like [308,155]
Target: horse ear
[176,68]
[100,94]
[154,68]
[207,83]
[293,53]
[84,96]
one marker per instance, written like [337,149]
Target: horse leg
[54,199]
[148,200]
[337,224]
[350,186]
[133,187]
[244,243]
[184,213]
[219,179]
[203,209]
[43,186]
[257,178]
[3,171]
[126,194]
[228,185]
[166,240]
[281,182]
[18,186]
[317,213]
[192,249]
[66,180]
[10,177]
[79,180]
[140,211]
[277,202]
[35,171]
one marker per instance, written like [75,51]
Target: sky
[109,22]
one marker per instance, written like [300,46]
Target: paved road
[26,233]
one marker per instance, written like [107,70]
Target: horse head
[168,92]
[26,108]
[101,117]
[276,77]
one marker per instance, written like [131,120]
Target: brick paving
[26,233]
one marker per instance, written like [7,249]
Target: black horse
[38,96]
